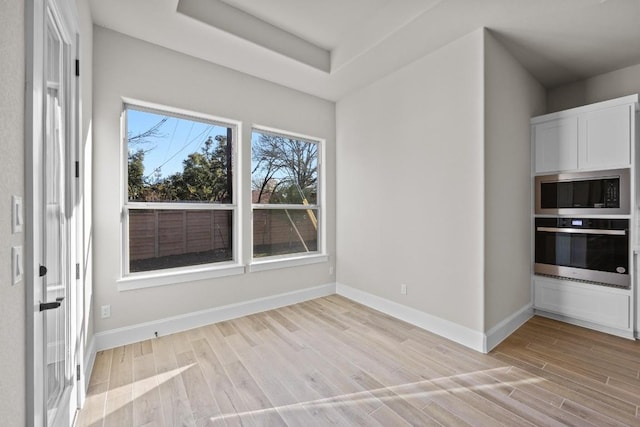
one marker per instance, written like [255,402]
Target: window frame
[298,258]
[135,280]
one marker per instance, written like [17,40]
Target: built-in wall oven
[590,249]
[583,193]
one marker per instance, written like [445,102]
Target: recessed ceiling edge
[248,27]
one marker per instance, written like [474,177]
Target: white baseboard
[502,330]
[89,360]
[445,328]
[475,340]
[144,331]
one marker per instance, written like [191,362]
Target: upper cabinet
[556,145]
[596,136]
[605,138]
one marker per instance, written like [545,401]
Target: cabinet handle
[583,231]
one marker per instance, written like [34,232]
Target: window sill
[275,263]
[177,276]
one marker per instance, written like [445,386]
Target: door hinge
[78,271]
[77,169]
[77,372]
[77,68]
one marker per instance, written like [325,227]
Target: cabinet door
[556,145]
[591,303]
[605,138]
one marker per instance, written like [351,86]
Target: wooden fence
[159,233]
[283,231]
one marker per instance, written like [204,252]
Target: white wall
[126,67]
[12,298]
[512,97]
[625,81]
[410,188]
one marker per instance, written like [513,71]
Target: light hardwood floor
[331,361]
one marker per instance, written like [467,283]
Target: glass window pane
[177,159]
[284,231]
[160,239]
[284,170]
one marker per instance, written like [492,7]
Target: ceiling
[329,48]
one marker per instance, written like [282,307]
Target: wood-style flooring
[331,361]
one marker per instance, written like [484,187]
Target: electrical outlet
[106,311]
[403,289]
[331,269]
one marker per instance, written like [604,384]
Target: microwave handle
[582,231]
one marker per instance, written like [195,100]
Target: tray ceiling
[329,48]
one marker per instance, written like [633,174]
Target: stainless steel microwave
[583,193]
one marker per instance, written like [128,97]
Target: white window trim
[169,276]
[299,258]
[172,276]
[286,261]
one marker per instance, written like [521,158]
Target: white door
[55,267]
[52,384]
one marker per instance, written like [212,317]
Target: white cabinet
[556,145]
[586,138]
[599,305]
[601,136]
[605,138]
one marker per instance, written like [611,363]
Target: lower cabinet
[591,304]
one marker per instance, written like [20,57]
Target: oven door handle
[583,231]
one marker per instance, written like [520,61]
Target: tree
[152,132]
[137,185]
[285,169]
[266,184]
[135,174]
[205,174]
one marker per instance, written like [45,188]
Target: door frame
[35,25]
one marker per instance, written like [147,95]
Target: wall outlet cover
[17,265]
[17,215]
[106,311]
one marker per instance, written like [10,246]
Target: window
[179,208]
[286,198]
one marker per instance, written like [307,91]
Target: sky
[176,139]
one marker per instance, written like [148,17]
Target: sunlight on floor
[419,389]
[132,391]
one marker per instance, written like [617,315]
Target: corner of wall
[511,97]
[475,340]
[614,84]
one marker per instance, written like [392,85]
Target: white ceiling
[329,48]
[324,23]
